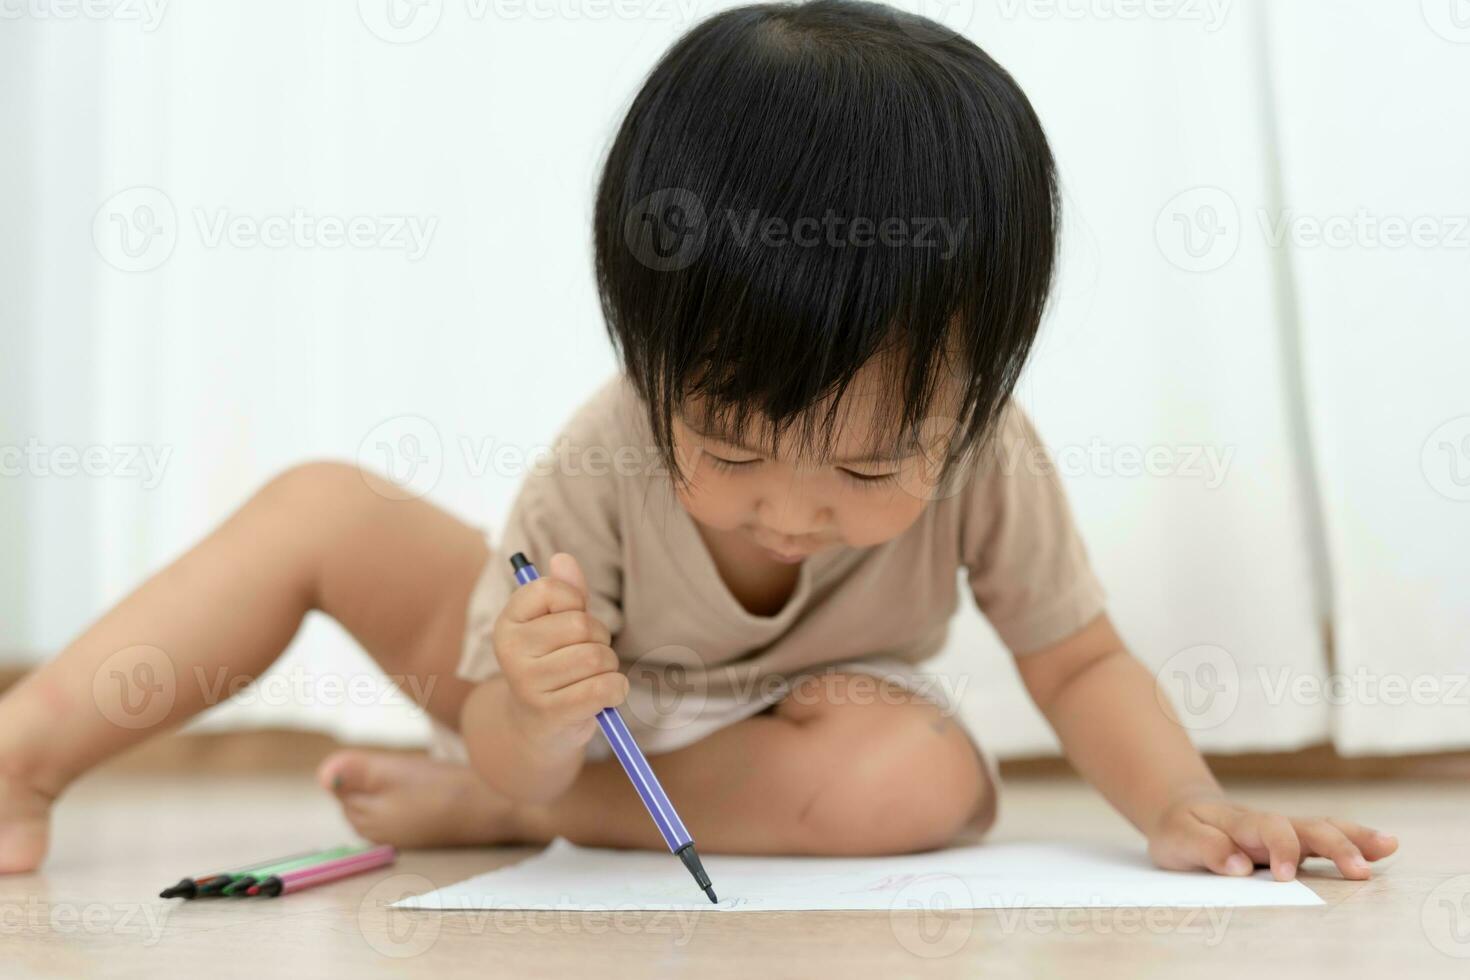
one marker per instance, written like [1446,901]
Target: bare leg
[395,573]
[820,775]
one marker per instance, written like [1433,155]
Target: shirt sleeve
[567,502]
[1025,559]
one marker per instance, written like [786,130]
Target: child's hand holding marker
[557,658]
[635,765]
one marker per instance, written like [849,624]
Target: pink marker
[320,874]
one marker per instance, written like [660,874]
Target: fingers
[1267,838]
[1283,849]
[1374,844]
[543,597]
[1197,844]
[565,667]
[550,633]
[586,697]
[1323,838]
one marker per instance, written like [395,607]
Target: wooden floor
[122,836]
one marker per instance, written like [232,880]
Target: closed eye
[869,479]
[729,464]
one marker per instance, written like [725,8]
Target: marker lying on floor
[636,766]
[211,884]
[240,886]
[319,874]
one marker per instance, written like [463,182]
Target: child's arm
[1119,735]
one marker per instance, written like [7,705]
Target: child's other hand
[1229,839]
[556,657]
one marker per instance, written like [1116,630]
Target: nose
[791,512]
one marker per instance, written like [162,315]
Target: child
[824,238]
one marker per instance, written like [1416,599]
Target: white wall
[1295,397]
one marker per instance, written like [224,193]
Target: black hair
[766,120]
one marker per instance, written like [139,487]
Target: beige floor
[119,837]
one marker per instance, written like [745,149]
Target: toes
[25,827]
[362,818]
[346,772]
[22,847]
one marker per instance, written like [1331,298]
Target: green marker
[227,884]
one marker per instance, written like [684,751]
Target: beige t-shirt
[602,496]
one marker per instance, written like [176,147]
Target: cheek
[713,502]
[886,516]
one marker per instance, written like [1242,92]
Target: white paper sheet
[988,876]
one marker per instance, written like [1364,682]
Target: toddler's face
[794,507]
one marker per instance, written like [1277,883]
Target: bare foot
[411,800]
[25,826]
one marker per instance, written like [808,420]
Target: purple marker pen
[636,766]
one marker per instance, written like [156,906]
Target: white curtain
[239,235]
[1375,152]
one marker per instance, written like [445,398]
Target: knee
[306,511]
[317,483]
[321,499]
[909,782]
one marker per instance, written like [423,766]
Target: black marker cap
[519,561]
[186,888]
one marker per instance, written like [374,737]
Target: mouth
[787,556]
